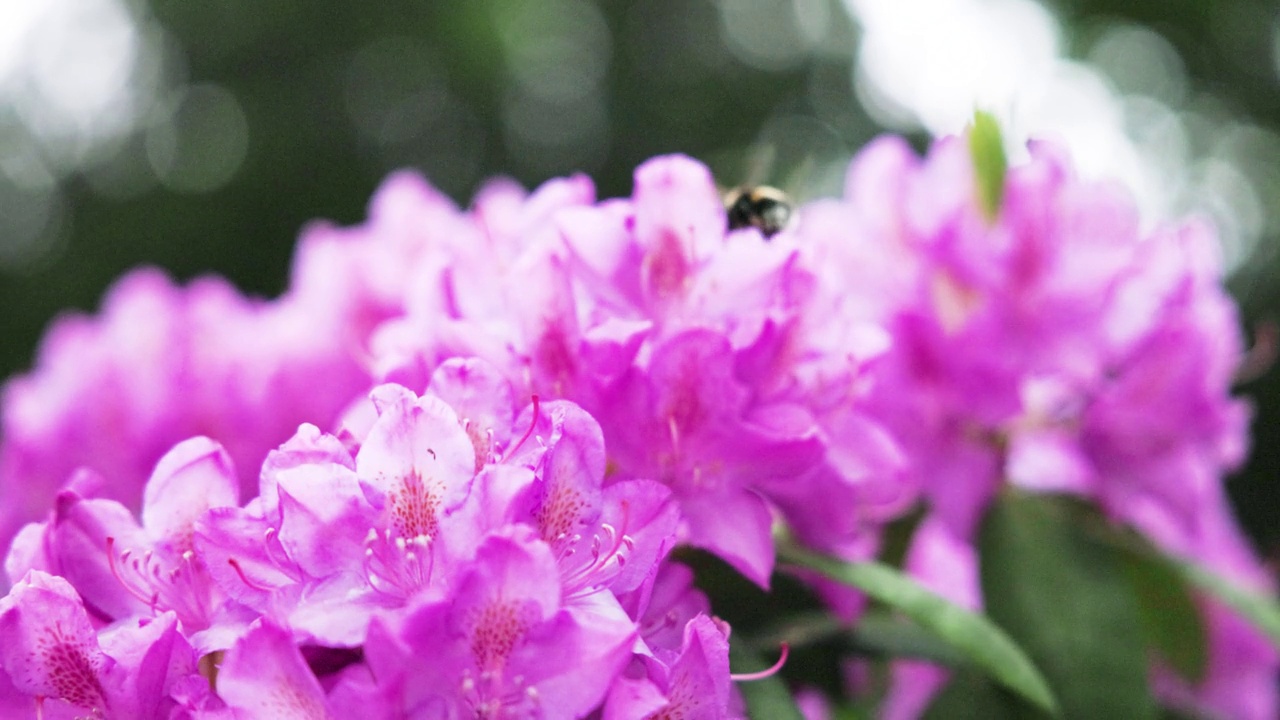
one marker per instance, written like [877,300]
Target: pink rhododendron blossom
[664,604]
[160,365]
[689,343]
[55,664]
[504,644]
[124,569]
[1057,347]
[371,532]
[264,675]
[442,474]
[164,363]
[680,666]
[690,681]
[466,532]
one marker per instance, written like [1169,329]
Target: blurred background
[200,136]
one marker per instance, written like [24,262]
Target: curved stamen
[165,582]
[533,423]
[235,565]
[766,673]
[604,565]
[129,587]
[669,620]
[278,554]
[399,567]
[195,588]
[492,695]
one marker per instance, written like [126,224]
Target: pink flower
[1057,348]
[503,644]
[451,536]
[160,365]
[264,675]
[688,343]
[689,682]
[124,570]
[55,664]
[476,435]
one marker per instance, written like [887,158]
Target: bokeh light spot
[70,71]
[557,50]
[549,138]
[394,90]
[969,54]
[773,35]
[668,40]
[31,226]
[1140,62]
[202,142]
[555,118]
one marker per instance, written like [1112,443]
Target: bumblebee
[765,208]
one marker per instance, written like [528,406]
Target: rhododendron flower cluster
[1056,348]
[437,531]
[442,475]
[715,362]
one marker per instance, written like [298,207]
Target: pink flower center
[414,507]
[560,513]
[496,629]
[666,268]
[397,566]
[71,670]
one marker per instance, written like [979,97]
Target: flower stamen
[768,672]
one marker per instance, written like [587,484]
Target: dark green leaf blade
[1063,596]
[969,696]
[1261,610]
[983,643]
[990,164]
[888,635]
[766,698]
[1171,621]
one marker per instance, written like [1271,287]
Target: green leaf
[798,630]
[766,698]
[969,696]
[1261,610]
[895,540]
[1062,595]
[849,712]
[878,634]
[883,634]
[982,643]
[986,146]
[1171,621]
